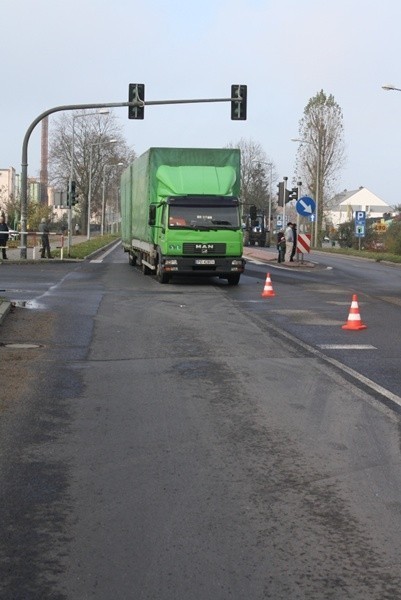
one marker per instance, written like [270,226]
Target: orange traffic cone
[354,318]
[268,289]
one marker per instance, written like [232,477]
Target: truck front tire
[234,279]
[161,276]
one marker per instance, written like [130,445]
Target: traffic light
[280,193]
[71,197]
[293,194]
[283,192]
[252,212]
[136,93]
[238,107]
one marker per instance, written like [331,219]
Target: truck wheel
[234,279]
[161,276]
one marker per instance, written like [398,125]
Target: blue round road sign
[305,206]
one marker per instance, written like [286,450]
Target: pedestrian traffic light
[294,193]
[238,106]
[136,93]
[71,197]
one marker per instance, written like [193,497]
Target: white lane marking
[346,347]
[358,376]
[99,260]
[249,301]
[253,261]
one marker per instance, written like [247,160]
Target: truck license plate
[204,261]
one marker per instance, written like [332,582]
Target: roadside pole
[299,185]
[285,179]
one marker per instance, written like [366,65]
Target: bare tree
[321,153]
[88,141]
[257,174]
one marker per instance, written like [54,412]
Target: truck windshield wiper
[200,227]
[222,223]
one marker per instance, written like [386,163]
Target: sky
[59,52]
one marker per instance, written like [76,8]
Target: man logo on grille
[204,248]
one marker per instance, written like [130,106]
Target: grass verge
[84,249]
[378,256]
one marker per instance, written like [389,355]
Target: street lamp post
[390,87]
[101,111]
[317,194]
[90,182]
[120,164]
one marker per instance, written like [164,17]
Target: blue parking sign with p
[360,217]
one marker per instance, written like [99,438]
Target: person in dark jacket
[3,236]
[281,246]
[44,230]
[294,243]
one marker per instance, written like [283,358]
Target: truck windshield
[203,217]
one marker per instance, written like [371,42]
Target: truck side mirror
[152,215]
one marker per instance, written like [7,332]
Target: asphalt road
[173,442]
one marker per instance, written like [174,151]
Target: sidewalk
[33,254]
[270,255]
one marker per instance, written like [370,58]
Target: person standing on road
[289,240]
[45,230]
[3,236]
[281,246]
[294,243]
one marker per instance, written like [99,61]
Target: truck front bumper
[217,266]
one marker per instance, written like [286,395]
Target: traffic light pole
[285,179]
[24,159]
[299,187]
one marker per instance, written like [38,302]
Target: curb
[270,257]
[4,309]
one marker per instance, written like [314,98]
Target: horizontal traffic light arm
[192,101]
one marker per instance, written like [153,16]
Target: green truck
[181,214]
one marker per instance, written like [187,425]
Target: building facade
[8,188]
[345,204]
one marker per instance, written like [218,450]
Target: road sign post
[360,223]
